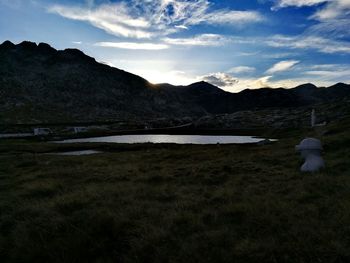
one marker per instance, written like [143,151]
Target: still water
[178,139]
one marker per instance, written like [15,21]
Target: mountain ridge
[40,83]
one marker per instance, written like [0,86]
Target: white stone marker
[310,149]
[313,118]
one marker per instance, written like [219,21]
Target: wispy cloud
[113,18]
[333,10]
[282,66]
[131,45]
[335,67]
[241,70]
[334,28]
[330,72]
[305,41]
[181,26]
[298,3]
[320,44]
[333,16]
[229,17]
[146,19]
[199,40]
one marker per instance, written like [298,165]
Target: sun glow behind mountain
[173,77]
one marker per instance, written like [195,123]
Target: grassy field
[175,203]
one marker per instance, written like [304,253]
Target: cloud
[233,84]
[333,15]
[278,55]
[220,79]
[77,42]
[323,75]
[309,42]
[214,40]
[134,46]
[334,28]
[199,40]
[330,72]
[329,32]
[113,18]
[247,54]
[181,27]
[146,19]
[306,41]
[336,67]
[241,69]
[333,10]
[282,66]
[229,17]
[298,3]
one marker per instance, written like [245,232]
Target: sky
[233,44]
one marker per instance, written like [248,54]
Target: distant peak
[27,45]
[7,44]
[74,51]
[340,84]
[202,83]
[72,54]
[46,47]
[306,86]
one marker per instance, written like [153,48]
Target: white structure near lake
[313,118]
[310,150]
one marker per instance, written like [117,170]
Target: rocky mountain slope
[41,84]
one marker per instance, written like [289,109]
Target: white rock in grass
[310,150]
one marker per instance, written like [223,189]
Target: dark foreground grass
[173,203]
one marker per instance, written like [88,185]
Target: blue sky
[234,44]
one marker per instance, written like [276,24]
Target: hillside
[41,84]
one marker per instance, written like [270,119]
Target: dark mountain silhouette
[40,83]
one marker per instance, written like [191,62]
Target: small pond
[178,139]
